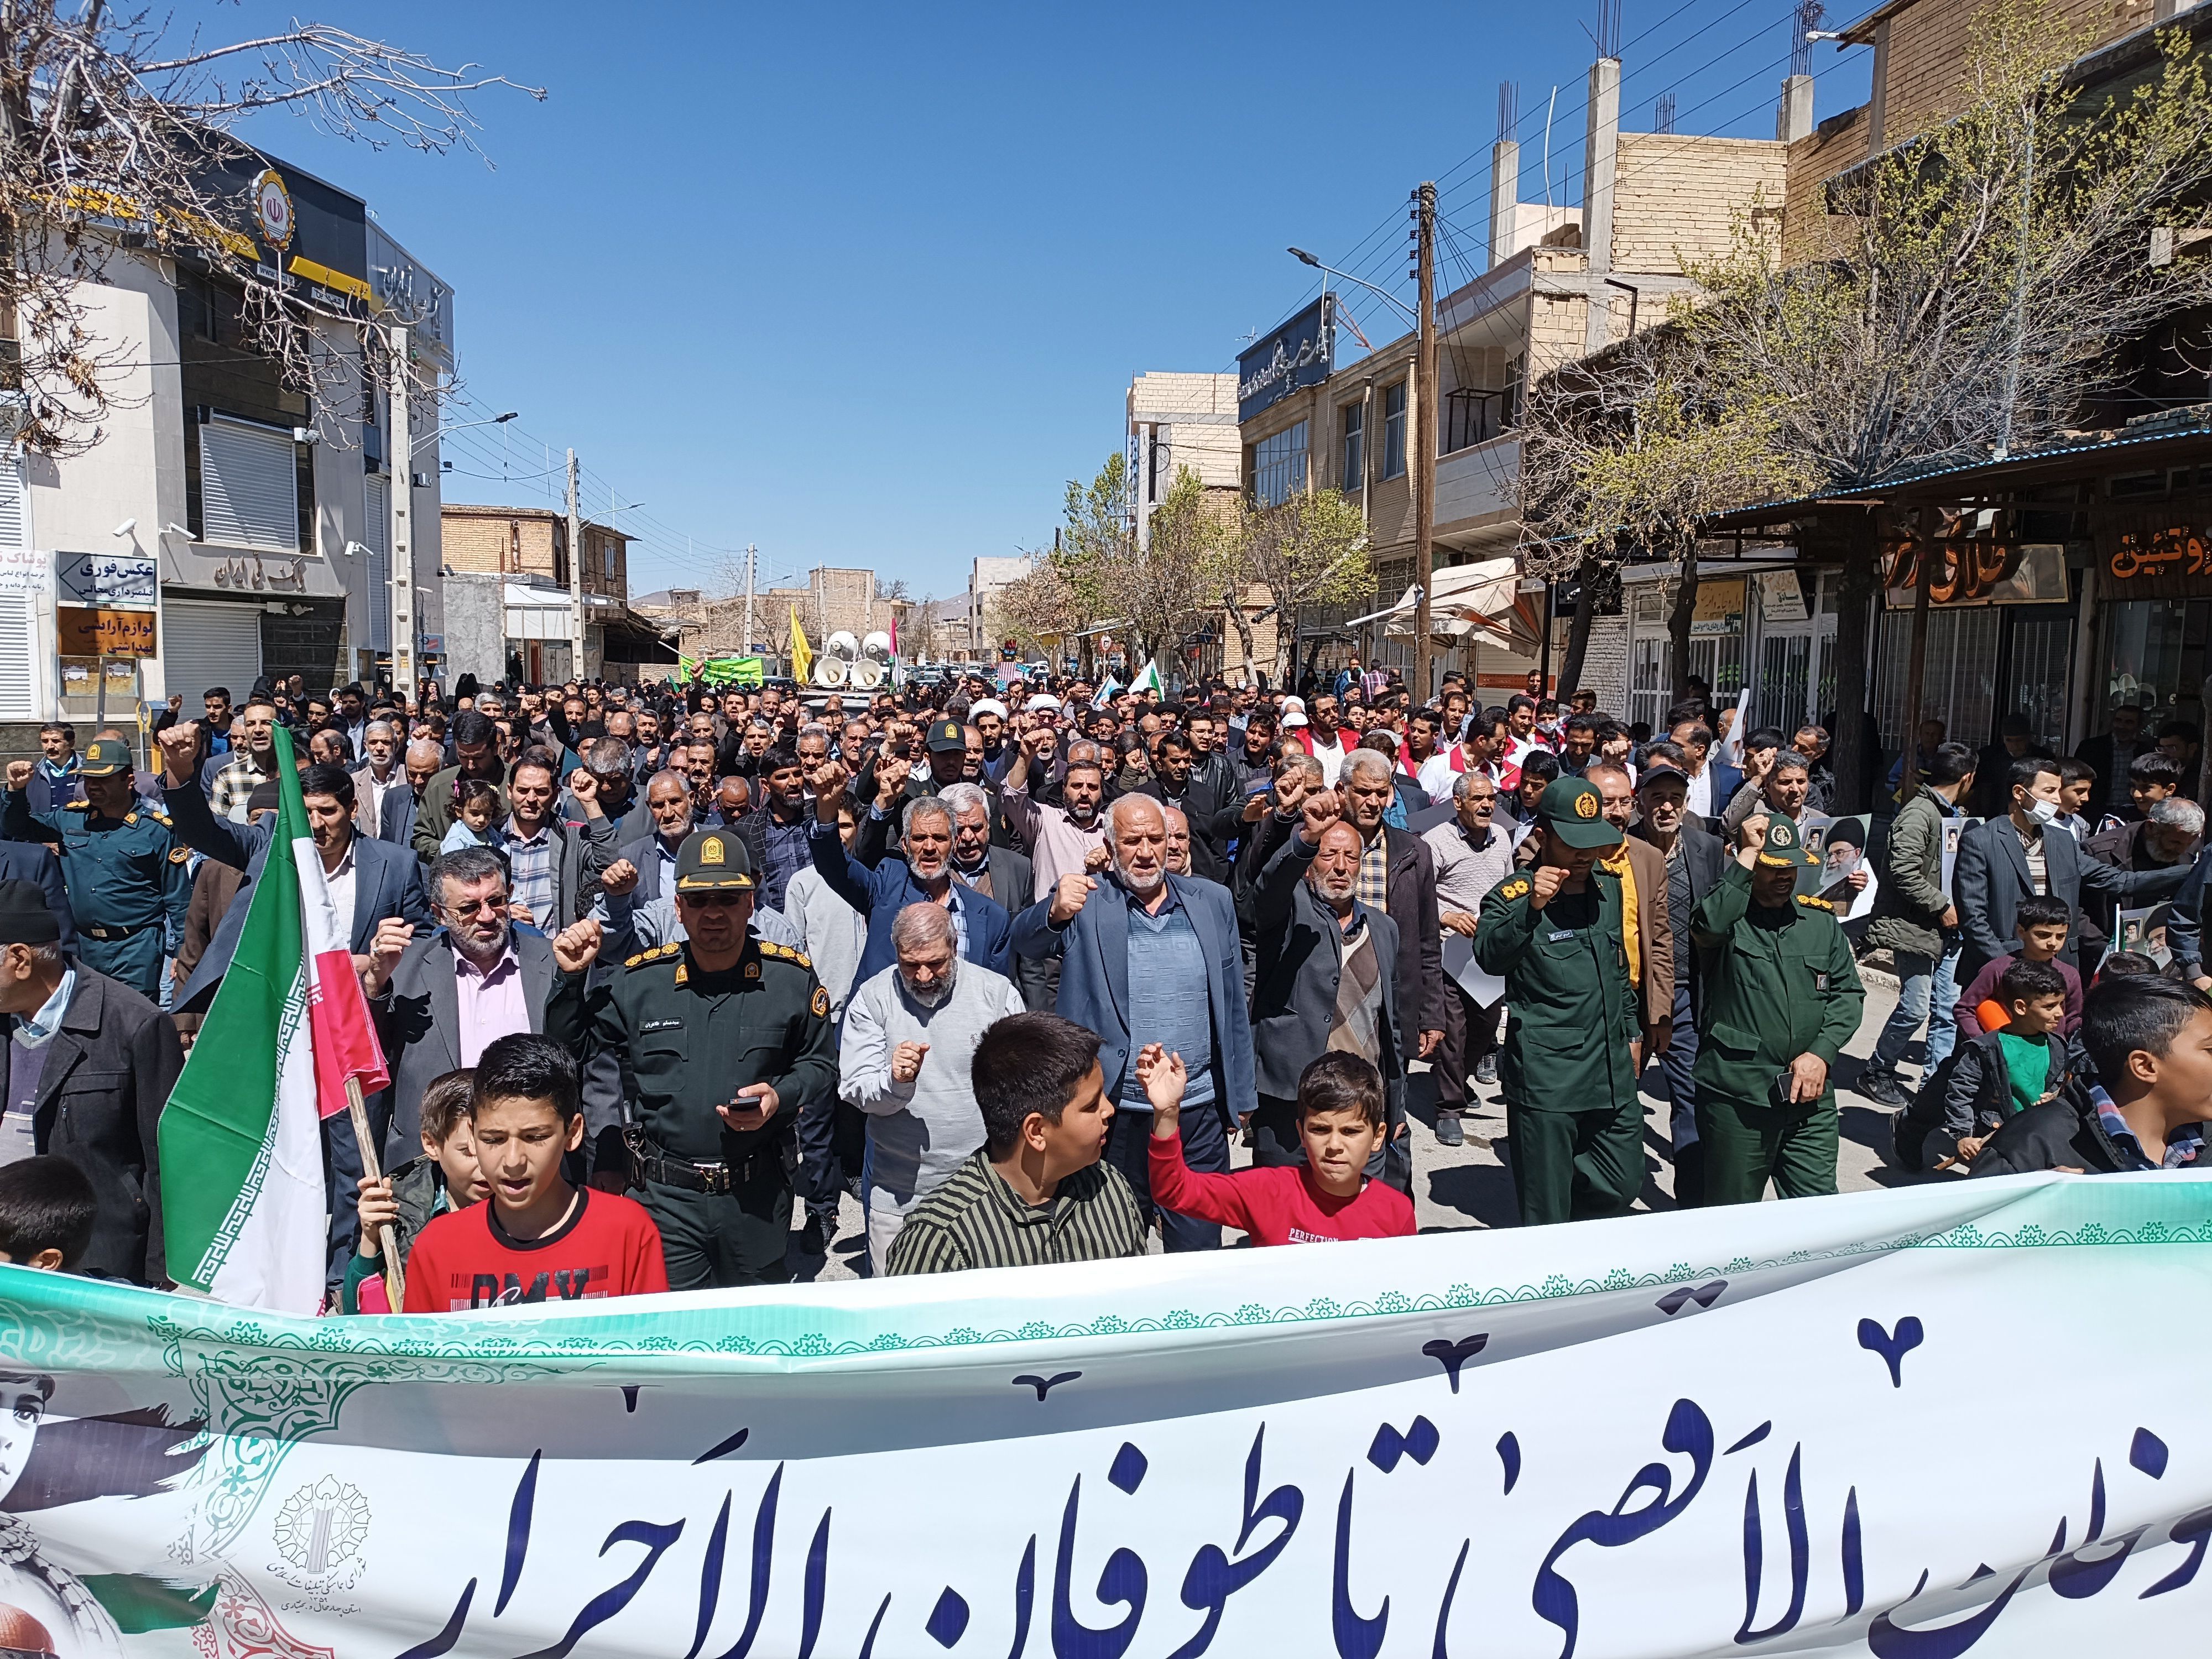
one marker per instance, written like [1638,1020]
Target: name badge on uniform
[1819,980]
[1564,932]
[660,1025]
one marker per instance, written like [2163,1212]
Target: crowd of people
[663,974]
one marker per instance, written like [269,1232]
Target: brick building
[533,541]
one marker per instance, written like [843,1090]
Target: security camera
[306,434]
[355,550]
[124,529]
[176,530]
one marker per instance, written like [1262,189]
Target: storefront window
[2155,657]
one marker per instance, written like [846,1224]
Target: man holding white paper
[1472,856]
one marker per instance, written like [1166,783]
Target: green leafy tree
[1308,551]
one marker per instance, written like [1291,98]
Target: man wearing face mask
[909,1034]
[2004,860]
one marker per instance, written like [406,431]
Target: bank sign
[1299,353]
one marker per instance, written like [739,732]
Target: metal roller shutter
[205,644]
[249,487]
[19,637]
[11,502]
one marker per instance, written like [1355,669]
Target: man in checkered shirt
[255,764]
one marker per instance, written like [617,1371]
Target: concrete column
[1878,92]
[1600,153]
[1504,198]
[1793,119]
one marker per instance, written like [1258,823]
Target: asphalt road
[1470,1185]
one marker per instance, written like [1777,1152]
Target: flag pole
[395,1278]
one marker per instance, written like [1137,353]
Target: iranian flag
[242,1208]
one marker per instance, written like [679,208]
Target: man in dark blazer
[1204,799]
[1992,874]
[106,1063]
[1091,923]
[1003,874]
[1306,918]
[395,823]
[1696,859]
[386,879]
[1367,787]
[2109,754]
[922,874]
[28,860]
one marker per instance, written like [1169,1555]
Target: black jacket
[108,1074]
[1213,815]
[1970,1094]
[1707,856]
[1300,951]
[2065,1133]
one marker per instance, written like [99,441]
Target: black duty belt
[117,933]
[649,1162]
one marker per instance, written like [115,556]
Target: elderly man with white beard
[909,1034]
[1150,957]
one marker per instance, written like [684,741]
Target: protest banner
[1784,1427]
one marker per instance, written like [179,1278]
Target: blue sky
[867,285]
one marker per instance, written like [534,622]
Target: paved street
[1470,1186]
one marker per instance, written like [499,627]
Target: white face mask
[2043,811]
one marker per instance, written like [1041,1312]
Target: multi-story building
[1561,283]
[528,548]
[835,599]
[227,525]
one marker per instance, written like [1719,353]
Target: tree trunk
[1854,766]
[1678,624]
[1286,644]
[1578,631]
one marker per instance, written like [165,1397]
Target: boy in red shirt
[538,1238]
[1328,1197]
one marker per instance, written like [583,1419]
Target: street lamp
[1306,258]
[437,432]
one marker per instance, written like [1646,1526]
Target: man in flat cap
[128,874]
[724,1037]
[78,1035]
[1779,996]
[1553,934]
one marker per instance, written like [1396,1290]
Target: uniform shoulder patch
[130,817]
[1514,888]
[160,817]
[76,806]
[180,854]
[1812,904]
[769,947]
[821,1003]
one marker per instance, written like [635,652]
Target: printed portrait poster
[2144,932]
[1844,851]
[1952,829]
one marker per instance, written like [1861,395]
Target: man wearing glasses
[439,1000]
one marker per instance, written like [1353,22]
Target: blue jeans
[1928,987]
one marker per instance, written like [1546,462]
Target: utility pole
[752,555]
[575,578]
[401,571]
[1425,434]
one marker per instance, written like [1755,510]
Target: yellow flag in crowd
[802,655]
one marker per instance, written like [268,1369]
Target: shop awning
[1470,604]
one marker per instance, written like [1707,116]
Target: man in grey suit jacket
[386,881]
[1305,930]
[1993,872]
[395,823]
[1146,956]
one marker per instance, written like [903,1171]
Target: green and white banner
[1962,1418]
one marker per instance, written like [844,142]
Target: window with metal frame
[1394,431]
[1278,466]
[1354,422]
[376,536]
[249,487]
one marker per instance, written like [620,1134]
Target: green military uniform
[1571,1108]
[129,878]
[1777,981]
[689,1040]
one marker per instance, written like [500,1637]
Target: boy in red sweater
[1328,1197]
[537,1238]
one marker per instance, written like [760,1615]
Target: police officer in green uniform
[129,877]
[1552,933]
[723,1038]
[1781,997]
